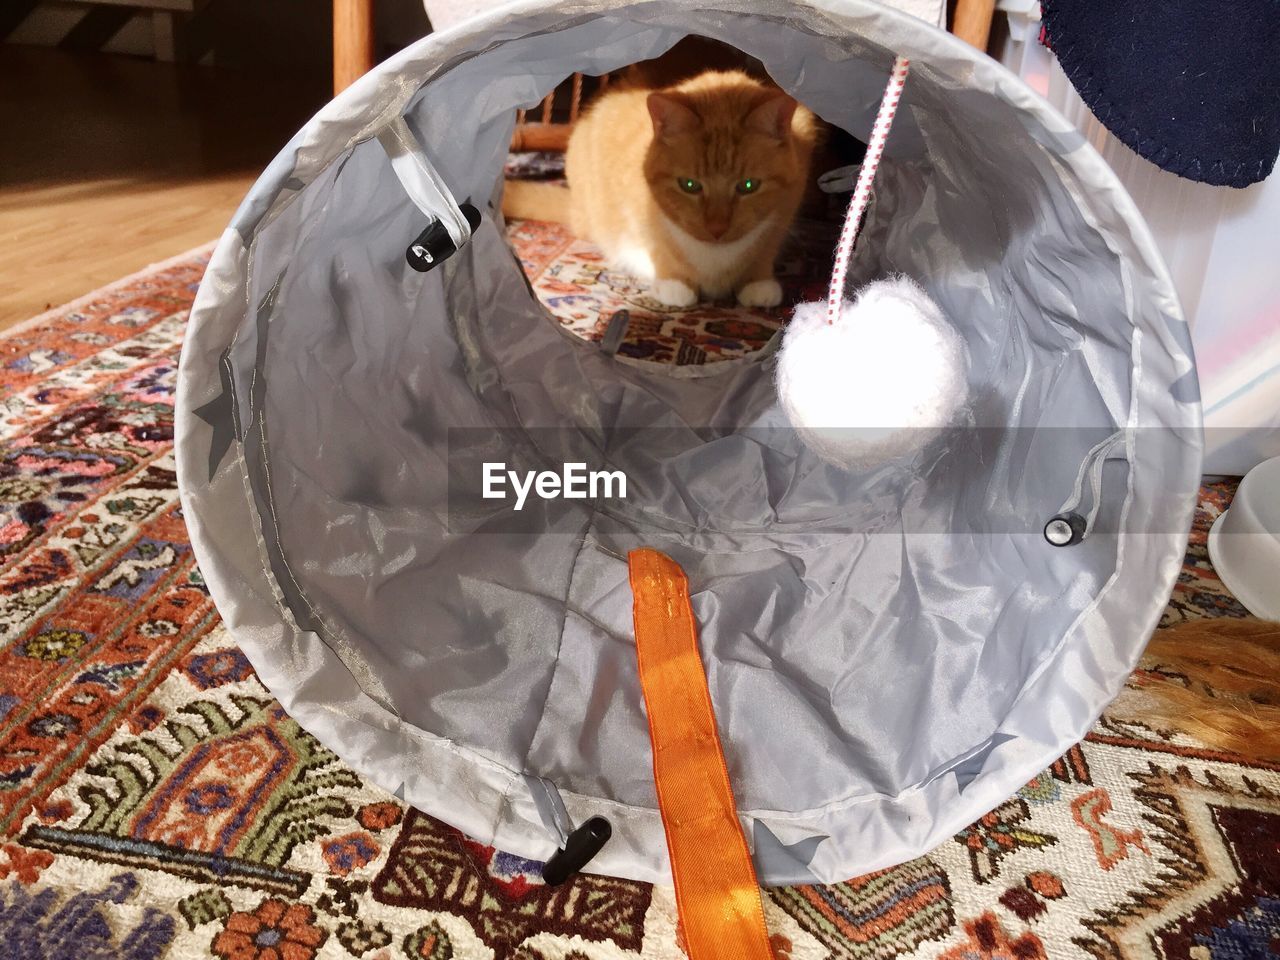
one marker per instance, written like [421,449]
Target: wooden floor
[108,164]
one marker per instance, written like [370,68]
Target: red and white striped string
[862,189]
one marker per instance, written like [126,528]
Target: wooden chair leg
[352,41]
[164,35]
[972,21]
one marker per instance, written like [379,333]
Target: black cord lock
[579,849]
[434,245]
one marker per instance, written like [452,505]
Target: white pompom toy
[878,383]
[875,379]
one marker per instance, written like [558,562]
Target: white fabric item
[878,384]
[449,13]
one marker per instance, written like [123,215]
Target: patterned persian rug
[156,802]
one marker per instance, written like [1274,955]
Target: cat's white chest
[717,265]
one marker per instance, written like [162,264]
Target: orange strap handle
[716,889]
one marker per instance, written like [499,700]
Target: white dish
[1244,543]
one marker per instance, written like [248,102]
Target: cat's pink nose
[717,229]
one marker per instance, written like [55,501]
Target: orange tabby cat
[691,188]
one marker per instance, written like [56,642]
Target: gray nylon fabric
[890,655]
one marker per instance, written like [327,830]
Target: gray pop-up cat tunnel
[890,652]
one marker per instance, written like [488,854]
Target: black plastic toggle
[579,850]
[433,245]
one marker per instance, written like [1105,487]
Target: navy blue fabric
[1192,85]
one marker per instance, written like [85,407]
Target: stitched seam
[1159,153]
[555,666]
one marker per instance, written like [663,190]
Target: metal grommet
[1065,530]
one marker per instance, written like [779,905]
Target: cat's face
[720,166]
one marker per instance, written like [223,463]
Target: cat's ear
[671,116]
[773,117]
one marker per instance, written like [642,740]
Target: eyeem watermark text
[573,482]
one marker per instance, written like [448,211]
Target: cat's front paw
[761,293]
[675,293]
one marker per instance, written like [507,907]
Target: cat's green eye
[689,185]
[749,185]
